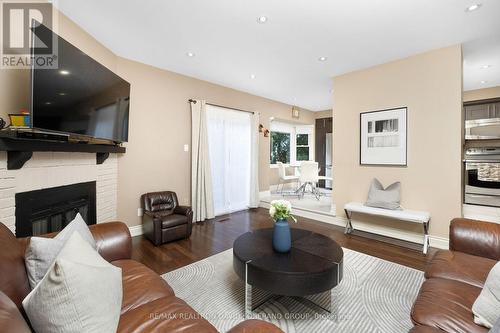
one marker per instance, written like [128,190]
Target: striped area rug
[374,296]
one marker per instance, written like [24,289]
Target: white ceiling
[230,45]
[479,53]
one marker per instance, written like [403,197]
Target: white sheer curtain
[254,161]
[201,176]
[230,146]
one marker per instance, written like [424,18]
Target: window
[302,147]
[280,147]
[290,143]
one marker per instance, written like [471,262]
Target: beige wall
[323,114]
[160,122]
[479,94]
[430,85]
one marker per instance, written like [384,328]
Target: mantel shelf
[19,151]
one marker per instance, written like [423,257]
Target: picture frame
[384,137]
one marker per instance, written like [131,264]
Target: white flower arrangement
[281,209]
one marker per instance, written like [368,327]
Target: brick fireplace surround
[52,169]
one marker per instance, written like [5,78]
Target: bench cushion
[400,214]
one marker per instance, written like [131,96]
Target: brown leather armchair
[163,219]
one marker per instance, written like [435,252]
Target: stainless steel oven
[482,176]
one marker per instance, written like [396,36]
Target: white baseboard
[439,242]
[136,230]
[264,194]
[435,241]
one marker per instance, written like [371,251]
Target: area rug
[374,296]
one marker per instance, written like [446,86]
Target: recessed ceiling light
[62,94]
[262,19]
[322,58]
[252,76]
[64,72]
[190,54]
[48,103]
[484,81]
[485,66]
[473,7]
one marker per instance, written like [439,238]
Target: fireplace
[50,210]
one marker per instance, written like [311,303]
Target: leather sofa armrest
[11,319]
[113,240]
[151,226]
[183,210]
[255,326]
[188,212]
[474,237]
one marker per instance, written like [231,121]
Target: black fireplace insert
[49,210]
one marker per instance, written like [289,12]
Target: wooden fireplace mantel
[20,150]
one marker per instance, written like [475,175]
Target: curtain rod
[222,106]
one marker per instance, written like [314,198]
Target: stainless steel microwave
[482,120]
[482,129]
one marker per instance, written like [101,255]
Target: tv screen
[80,97]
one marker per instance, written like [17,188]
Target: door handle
[482,196]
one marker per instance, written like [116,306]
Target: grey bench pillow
[388,198]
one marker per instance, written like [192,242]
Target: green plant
[281,209]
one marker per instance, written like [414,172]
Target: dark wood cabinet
[323,126]
[482,111]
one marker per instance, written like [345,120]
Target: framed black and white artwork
[383,137]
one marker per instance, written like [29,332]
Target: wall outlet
[140,212]
[186,148]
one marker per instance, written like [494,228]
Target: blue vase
[282,238]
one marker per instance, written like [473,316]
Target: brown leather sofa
[163,219]
[455,278]
[149,303]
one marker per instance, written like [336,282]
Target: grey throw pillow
[486,308]
[81,292]
[42,252]
[388,198]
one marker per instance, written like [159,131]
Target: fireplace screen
[50,210]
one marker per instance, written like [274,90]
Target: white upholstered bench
[402,215]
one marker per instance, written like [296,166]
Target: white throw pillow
[42,252]
[81,292]
[486,308]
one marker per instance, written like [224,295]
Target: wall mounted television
[80,97]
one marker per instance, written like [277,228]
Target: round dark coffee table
[313,266]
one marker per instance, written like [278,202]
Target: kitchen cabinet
[482,111]
[497,109]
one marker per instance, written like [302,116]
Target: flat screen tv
[80,96]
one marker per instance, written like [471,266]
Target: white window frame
[294,129]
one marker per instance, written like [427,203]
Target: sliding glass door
[229,142]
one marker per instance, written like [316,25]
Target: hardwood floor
[217,235]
